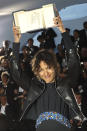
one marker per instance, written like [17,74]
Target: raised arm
[73,70]
[16,33]
[20,77]
[71,54]
[59,24]
[16,43]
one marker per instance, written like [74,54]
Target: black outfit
[5,52]
[25,64]
[83,36]
[60,59]
[42,99]
[62,40]
[9,91]
[7,120]
[13,105]
[49,101]
[32,51]
[78,43]
[83,83]
[4,123]
[49,38]
[9,112]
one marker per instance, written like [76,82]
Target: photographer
[25,58]
[32,48]
[5,50]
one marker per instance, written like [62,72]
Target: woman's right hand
[16,33]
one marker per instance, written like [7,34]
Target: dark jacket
[83,36]
[36,87]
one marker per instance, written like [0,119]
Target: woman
[50,100]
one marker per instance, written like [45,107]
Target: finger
[13,23]
[56,25]
[56,22]
[56,11]
[15,28]
[16,31]
[57,18]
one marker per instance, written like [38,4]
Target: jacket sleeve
[19,77]
[73,64]
[65,89]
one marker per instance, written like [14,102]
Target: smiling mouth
[48,76]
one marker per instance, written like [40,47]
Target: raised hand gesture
[16,33]
[58,22]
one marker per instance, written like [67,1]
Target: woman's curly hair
[48,57]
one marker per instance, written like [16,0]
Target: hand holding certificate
[35,19]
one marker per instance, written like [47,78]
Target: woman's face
[4,79]
[46,73]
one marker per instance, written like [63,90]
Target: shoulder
[81,31]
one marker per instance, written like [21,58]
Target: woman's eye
[48,67]
[40,70]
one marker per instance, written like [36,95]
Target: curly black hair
[48,57]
